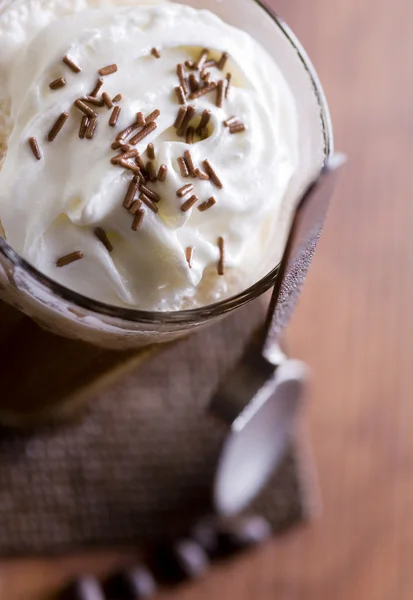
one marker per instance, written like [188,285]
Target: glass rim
[212,310]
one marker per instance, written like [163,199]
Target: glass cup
[70,314]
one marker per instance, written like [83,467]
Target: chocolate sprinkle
[83,127]
[189,254]
[57,83]
[193,83]
[138,220]
[207,205]
[118,145]
[135,207]
[220,93]
[130,166]
[231,121]
[139,162]
[97,89]
[202,59]
[189,64]
[186,189]
[126,132]
[155,52]
[201,175]
[150,169]
[190,134]
[189,203]
[190,163]
[181,75]
[150,151]
[210,63]
[117,98]
[221,264]
[130,194]
[203,91]
[180,94]
[102,237]
[71,64]
[237,128]
[183,167]
[124,155]
[211,172]
[107,100]
[114,116]
[92,100]
[141,177]
[229,81]
[140,119]
[91,128]
[153,116]
[35,148]
[187,119]
[206,116]
[146,200]
[57,127]
[109,70]
[162,173]
[150,193]
[180,118]
[223,61]
[80,104]
[69,258]
[143,134]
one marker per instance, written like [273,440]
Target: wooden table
[357,336]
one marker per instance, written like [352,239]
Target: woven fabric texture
[140,463]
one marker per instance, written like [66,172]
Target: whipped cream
[50,208]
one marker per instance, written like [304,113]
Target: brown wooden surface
[353,326]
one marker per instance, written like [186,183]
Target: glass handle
[300,248]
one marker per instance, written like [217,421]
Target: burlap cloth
[140,463]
